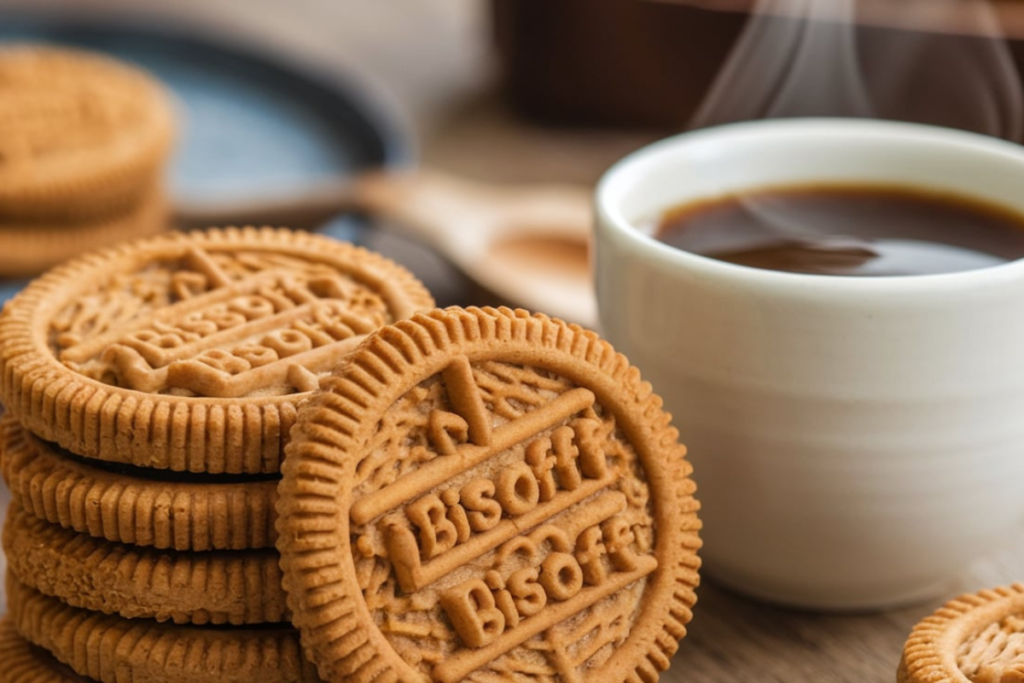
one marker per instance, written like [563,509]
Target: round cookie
[28,248]
[111,649]
[192,351]
[971,639]
[484,494]
[84,135]
[133,505]
[199,588]
[24,662]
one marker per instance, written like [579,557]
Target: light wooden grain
[736,639]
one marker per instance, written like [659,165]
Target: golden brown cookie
[30,247]
[183,587]
[975,638]
[134,505]
[192,351]
[488,495]
[84,135]
[23,662]
[112,649]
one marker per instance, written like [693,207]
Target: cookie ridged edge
[101,421]
[929,655]
[28,248]
[111,649]
[126,509]
[198,588]
[336,630]
[114,177]
[24,662]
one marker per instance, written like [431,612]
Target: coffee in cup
[856,441]
[854,230]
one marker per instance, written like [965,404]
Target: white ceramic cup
[856,442]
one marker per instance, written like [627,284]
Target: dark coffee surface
[848,230]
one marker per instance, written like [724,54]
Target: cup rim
[612,217]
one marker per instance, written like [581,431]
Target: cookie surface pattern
[24,662]
[199,588]
[483,495]
[190,352]
[111,649]
[132,505]
[84,134]
[977,638]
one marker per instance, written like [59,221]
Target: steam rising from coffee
[814,58]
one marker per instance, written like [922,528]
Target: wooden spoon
[527,244]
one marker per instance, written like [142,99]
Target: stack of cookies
[472,495]
[150,389]
[83,143]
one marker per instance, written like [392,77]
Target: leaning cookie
[112,649]
[486,495]
[191,352]
[974,638]
[30,247]
[84,135]
[134,505]
[23,662]
[183,587]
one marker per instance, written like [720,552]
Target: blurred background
[426,51]
[276,99]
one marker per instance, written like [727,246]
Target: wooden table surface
[731,638]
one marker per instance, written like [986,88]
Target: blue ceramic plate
[251,122]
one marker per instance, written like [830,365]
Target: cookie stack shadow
[140,536]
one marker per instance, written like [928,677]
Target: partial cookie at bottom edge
[111,649]
[24,662]
[226,587]
[976,637]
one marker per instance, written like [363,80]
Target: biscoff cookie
[30,247]
[24,662]
[112,649]
[134,505]
[483,495]
[975,638]
[183,587]
[84,135]
[191,352]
